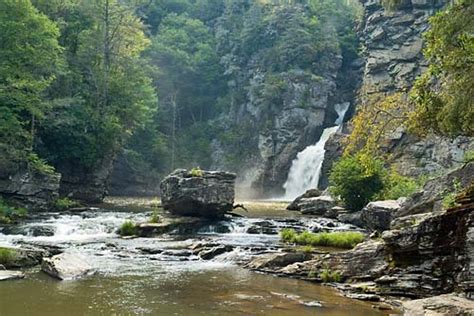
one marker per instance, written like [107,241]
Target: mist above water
[305,169]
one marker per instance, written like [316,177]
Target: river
[132,280]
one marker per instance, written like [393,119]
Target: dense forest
[186,83]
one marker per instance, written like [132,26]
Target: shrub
[39,165]
[65,203]
[334,239]
[468,156]
[449,198]
[9,214]
[356,179]
[327,275]
[155,218]
[7,255]
[196,172]
[397,186]
[128,228]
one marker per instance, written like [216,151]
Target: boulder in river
[317,205]
[295,205]
[198,193]
[66,266]
[11,275]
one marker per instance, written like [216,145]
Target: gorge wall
[392,44]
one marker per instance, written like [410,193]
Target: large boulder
[66,266]
[317,206]
[378,215]
[198,193]
[295,205]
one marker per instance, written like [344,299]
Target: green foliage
[196,172]
[155,218]
[306,249]
[7,255]
[29,58]
[65,203]
[334,239]
[327,275]
[397,186]
[9,214]
[128,228]
[39,165]
[469,156]
[449,197]
[356,179]
[444,94]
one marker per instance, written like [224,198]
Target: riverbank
[167,274]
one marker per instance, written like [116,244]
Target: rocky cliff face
[392,45]
[30,189]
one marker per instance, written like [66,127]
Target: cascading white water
[306,167]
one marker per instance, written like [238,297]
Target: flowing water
[305,169]
[171,281]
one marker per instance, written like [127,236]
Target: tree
[29,58]
[444,95]
[111,94]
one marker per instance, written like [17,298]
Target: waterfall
[306,167]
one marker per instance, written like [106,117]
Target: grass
[335,239]
[306,249]
[327,275]
[449,197]
[9,214]
[155,218]
[65,203]
[7,255]
[128,228]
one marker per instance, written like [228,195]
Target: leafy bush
[449,198]
[356,179]
[9,214]
[196,172]
[7,255]
[39,165]
[397,186]
[128,228]
[469,156]
[330,276]
[65,203]
[334,239]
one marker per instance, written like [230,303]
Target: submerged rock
[11,275]
[207,194]
[66,266]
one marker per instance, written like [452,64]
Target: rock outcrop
[66,266]
[376,216]
[295,205]
[27,188]
[11,275]
[430,199]
[207,194]
[317,206]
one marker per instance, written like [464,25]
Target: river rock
[378,215]
[11,275]
[181,225]
[277,260]
[446,304]
[317,205]
[207,194]
[209,253]
[25,257]
[66,266]
[295,205]
[353,218]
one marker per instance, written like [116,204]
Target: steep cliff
[392,44]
